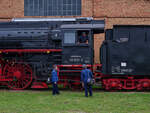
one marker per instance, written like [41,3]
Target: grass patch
[73,102]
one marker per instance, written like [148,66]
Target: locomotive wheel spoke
[24,82]
[21,75]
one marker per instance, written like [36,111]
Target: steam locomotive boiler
[28,49]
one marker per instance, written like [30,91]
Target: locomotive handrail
[72,65]
[70,70]
[50,19]
[29,50]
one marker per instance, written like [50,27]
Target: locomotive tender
[29,48]
[125,57]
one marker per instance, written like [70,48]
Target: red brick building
[113,11]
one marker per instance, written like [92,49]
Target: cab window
[83,37]
[69,37]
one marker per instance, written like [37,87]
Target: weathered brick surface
[122,8]
[115,12]
[98,39]
[18,8]
[5,9]
[126,21]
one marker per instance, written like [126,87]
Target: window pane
[52,7]
[64,1]
[78,12]
[69,38]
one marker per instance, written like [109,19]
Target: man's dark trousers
[55,89]
[88,88]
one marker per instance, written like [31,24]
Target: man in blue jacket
[86,74]
[54,80]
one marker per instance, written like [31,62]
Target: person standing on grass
[86,76]
[54,80]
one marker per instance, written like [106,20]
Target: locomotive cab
[75,49]
[75,52]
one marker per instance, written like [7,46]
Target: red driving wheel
[20,73]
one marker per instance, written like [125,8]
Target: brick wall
[122,8]
[5,10]
[114,12]
[98,39]
[126,21]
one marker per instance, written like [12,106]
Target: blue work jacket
[54,76]
[85,74]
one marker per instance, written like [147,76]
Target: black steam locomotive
[28,49]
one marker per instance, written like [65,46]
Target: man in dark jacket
[83,38]
[86,74]
[54,80]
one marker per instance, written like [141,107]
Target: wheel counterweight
[20,73]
